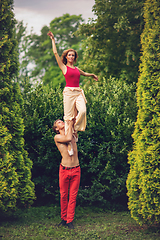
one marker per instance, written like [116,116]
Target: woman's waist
[72,88]
[73,84]
[74,92]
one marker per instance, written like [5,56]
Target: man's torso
[67,160]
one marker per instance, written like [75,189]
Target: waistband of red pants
[68,168]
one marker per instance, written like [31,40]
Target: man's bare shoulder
[56,137]
[62,138]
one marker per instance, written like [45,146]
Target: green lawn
[39,223]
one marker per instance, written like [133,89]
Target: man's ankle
[70,225]
[62,223]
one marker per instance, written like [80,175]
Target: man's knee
[64,195]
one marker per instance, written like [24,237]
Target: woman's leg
[69,111]
[69,104]
[80,124]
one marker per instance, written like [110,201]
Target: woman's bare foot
[75,136]
[70,149]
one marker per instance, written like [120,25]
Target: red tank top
[72,77]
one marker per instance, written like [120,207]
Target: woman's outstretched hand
[50,34]
[95,77]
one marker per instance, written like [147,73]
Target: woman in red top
[73,96]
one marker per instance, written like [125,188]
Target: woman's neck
[70,65]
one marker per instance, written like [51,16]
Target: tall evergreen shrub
[143,181]
[16,187]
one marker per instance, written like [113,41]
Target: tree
[16,187]
[143,181]
[113,38]
[24,43]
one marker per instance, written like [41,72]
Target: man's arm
[65,138]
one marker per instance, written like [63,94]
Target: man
[69,171]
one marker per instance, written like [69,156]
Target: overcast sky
[37,13]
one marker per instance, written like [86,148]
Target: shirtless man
[69,172]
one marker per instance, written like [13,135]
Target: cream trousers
[74,102]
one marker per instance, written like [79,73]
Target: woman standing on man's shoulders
[73,96]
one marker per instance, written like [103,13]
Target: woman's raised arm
[59,61]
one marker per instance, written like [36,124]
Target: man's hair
[64,55]
[55,127]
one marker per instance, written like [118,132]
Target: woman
[73,96]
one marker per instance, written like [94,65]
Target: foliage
[103,147]
[112,46]
[16,188]
[24,43]
[42,106]
[143,181]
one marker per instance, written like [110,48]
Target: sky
[38,13]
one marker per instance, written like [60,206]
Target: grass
[39,223]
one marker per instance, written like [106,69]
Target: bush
[102,148]
[41,108]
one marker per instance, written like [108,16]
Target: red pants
[69,179]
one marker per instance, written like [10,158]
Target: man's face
[59,125]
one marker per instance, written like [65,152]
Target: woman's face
[70,57]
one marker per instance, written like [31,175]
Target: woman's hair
[64,54]
[55,127]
